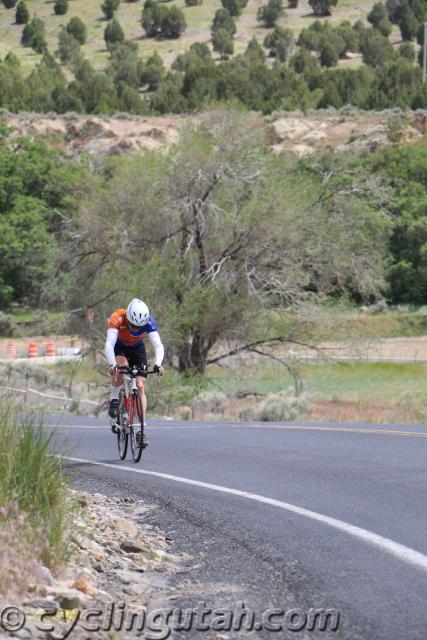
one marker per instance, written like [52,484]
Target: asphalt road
[318,516]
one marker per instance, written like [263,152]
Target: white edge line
[400,551]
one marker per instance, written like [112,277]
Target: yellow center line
[296,427]
[363,430]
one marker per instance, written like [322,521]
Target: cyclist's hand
[159,370]
[112,369]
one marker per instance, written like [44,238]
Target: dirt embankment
[101,135]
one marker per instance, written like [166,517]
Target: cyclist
[125,346]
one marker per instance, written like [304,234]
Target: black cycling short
[136,356]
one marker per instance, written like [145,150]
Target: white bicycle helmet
[137,313]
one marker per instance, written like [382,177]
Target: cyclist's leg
[139,359]
[116,385]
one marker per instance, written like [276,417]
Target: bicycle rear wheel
[122,421]
[136,427]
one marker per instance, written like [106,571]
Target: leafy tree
[385,27]
[60,7]
[322,7]
[113,33]
[22,15]
[349,36]
[270,13]
[174,23]
[124,65]
[328,55]
[408,24]
[160,20]
[407,51]
[224,20]
[152,71]
[376,14]
[68,47]
[280,43]
[33,35]
[217,240]
[222,42]
[35,182]
[77,28]
[234,7]
[109,7]
[302,62]
[376,49]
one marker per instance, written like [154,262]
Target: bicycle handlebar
[134,371]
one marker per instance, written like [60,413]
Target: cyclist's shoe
[113,409]
[145,441]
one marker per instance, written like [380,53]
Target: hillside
[301,134]
[199,19]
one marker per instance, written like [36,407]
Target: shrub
[68,47]
[322,7]
[109,7]
[160,20]
[270,13]
[407,51]
[280,407]
[174,24]
[9,4]
[292,4]
[209,402]
[234,7]
[6,325]
[33,35]
[328,55]
[385,27]
[408,24]
[77,28]
[223,20]
[279,42]
[113,33]
[222,42]
[193,3]
[22,14]
[60,7]
[376,14]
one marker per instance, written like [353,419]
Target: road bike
[130,416]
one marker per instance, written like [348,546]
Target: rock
[84,585]
[41,603]
[132,547]
[289,129]
[69,601]
[23,634]
[43,574]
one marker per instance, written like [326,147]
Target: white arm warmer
[159,350]
[109,345]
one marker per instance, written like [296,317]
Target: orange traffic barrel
[11,350]
[32,350]
[50,349]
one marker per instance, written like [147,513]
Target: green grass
[369,382]
[32,482]
[199,20]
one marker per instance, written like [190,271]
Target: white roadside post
[425,53]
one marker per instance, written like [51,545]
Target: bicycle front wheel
[136,427]
[122,421]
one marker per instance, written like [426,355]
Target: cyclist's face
[132,327]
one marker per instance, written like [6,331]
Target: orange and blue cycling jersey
[127,338]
